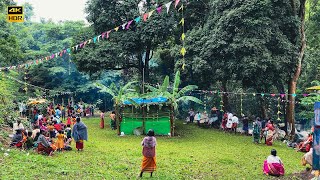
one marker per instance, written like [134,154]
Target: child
[68,131]
[67,145]
[69,120]
[60,141]
[51,131]
[29,143]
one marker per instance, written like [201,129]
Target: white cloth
[40,117]
[16,127]
[204,118]
[308,156]
[229,123]
[235,119]
[34,133]
[230,115]
[273,159]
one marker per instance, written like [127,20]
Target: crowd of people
[52,131]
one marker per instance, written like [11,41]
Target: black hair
[78,119]
[68,125]
[60,132]
[271,121]
[150,132]
[113,112]
[273,152]
[29,134]
[18,131]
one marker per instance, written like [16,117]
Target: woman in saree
[79,133]
[149,153]
[44,145]
[102,120]
[256,133]
[273,165]
[270,133]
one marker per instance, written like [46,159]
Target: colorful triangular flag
[183,51]
[108,33]
[94,40]
[137,19]
[129,23]
[183,36]
[150,13]
[182,22]
[168,6]
[116,29]
[176,3]
[124,26]
[159,9]
[145,17]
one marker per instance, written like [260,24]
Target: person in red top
[57,126]
[305,146]
[271,131]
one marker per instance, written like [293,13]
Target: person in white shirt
[197,117]
[229,121]
[235,122]
[17,125]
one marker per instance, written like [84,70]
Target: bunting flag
[182,22]
[278,109]
[145,17]
[159,9]
[102,36]
[137,19]
[168,6]
[124,26]
[150,13]
[129,23]
[176,3]
[183,36]
[183,51]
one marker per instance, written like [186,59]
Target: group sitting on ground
[49,133]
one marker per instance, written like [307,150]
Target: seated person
[29,143]
[44,145]
[17,139]
[204,118]
[273,165]
[35,131]
[305,145]
[307,158]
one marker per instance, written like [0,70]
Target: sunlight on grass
[194,154]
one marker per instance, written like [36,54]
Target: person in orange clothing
[60,141]
[305,146]
[51,131]
[149,153]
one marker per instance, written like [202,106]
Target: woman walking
[79,133]
[271,130]
[102,120]
[149,153]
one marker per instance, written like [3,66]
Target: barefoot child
[60,141]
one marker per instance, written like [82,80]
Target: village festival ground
[195,153]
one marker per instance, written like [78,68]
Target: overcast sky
[57,9]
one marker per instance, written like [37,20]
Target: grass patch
[194,154]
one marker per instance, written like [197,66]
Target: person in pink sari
[273,165]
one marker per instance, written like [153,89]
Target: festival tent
[146,113]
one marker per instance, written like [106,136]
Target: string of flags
[183,50]
[103,36]
[44,89]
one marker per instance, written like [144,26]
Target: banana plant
[175,96]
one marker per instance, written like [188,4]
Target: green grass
[194,154]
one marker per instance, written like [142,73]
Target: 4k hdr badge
[15,14]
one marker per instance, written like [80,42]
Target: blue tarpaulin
[147,100]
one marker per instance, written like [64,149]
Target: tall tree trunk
[263,108]
[292,84]
[225,99]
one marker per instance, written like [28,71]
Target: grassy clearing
[195,154]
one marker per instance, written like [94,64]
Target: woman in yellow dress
[60,141]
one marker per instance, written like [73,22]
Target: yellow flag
[182,22]
[181,8]
[183,66]
[89,41]
[183,51]
[150,13]
[183,36]
[116,29]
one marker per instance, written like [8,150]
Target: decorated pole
[316,140]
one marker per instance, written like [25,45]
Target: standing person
[92,110]
[63,113]
[273,165]
[197,117]
[113,120]
[60,141]
[191,115]
[17,125]
[102,120]
[256,133]
[235,122]
[213,116]
[224,121]
[149,153]
[229,121]
[245,122]
[79,133]
[271,130]
[84,111]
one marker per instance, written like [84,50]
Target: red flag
[145,16]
